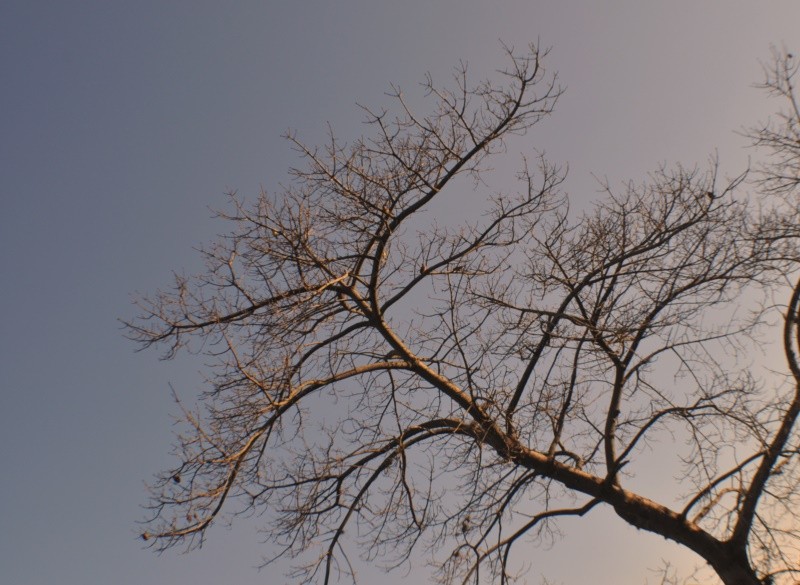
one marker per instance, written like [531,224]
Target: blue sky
[123,123]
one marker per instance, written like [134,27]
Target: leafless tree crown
[399,388]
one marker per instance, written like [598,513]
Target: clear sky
[123,123]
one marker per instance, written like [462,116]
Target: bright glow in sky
[123,122]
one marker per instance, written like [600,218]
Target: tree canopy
[387,384]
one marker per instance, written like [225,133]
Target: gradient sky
[123,123]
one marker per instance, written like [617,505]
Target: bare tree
[388,384]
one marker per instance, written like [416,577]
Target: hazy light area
[123,123]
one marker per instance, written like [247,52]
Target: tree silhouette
[386,383]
